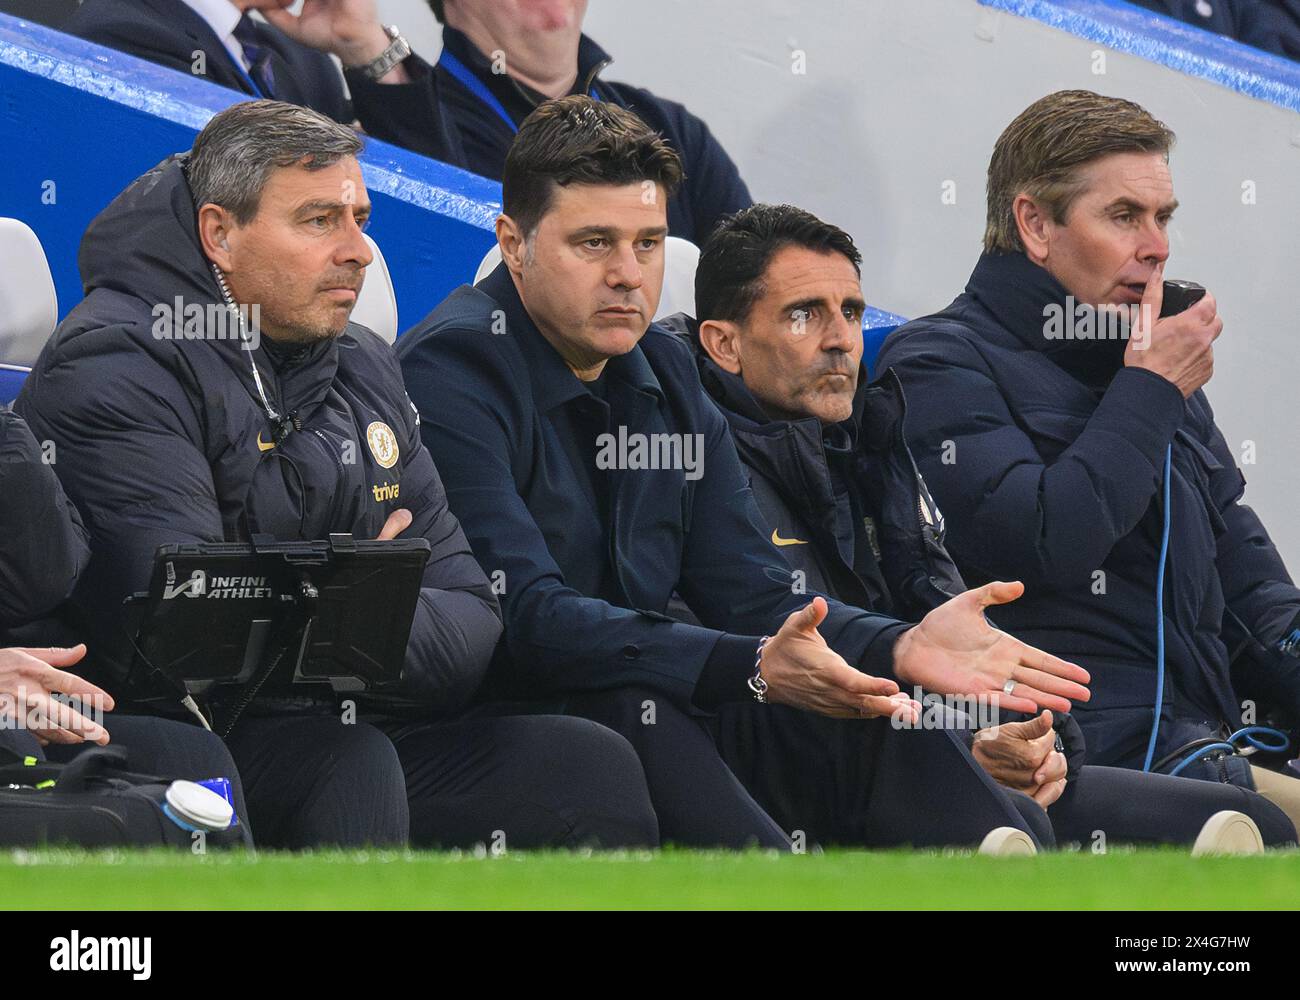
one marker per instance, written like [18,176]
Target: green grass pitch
[1155,879]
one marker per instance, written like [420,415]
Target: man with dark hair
[594,479]
[297,427]
[778,340]
[1062,426]
[500,60]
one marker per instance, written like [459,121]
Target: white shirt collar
[222,17]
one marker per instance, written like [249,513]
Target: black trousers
[1134,807]
[1119,805]
[764,774]
[162,747]
[771,775]
[514,781]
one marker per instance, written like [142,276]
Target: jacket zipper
[338,462]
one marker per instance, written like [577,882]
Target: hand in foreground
[956,651]
[1180,349]
[28,679]
[801,670]
[1023,756]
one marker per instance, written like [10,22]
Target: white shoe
[1228,832]
[1007,841]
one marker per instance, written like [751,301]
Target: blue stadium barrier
[79,122]
[11,380]
[876,326]
[1169,42]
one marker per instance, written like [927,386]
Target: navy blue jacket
[502,413]
[162,439]
[438,116]
[1271,25]
[1047,457]
[169,32]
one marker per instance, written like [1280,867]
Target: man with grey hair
[171,430]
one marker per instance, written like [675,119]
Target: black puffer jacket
[1271,25]
[43,545]
[166,440]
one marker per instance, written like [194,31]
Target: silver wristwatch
[398,49]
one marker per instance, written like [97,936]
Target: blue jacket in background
[170,33]
[1271,25]
[584,605]
[1047,458]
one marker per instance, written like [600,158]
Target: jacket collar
[1022,296]
[205,27]
[221,16]
[304,374]
[1017,292]
[518,98]
[552,380]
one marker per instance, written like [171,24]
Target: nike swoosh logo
[262,445]
[778,540]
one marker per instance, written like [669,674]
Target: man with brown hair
[594,479]
[1061,425]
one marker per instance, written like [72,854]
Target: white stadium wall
[900,101]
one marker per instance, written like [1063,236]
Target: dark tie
[258,54]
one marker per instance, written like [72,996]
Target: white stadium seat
[489,263]
[29,308]
[681,257]
[376,306]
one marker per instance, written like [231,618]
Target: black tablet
[216,611]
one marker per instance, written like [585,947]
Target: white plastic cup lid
[199,806]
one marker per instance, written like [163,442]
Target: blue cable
[1160,615]
[1198,754]
[1249,734]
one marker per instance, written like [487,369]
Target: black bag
[94,801]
